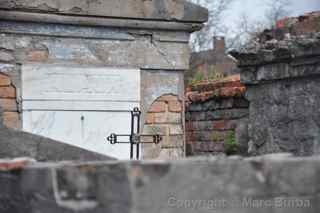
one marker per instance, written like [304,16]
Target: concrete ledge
[177,14]
[275,183]
[275,51]
[98,21]
[177,10]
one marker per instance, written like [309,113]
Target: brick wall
[8,103]
[308,23]
[165,117]
[216,117]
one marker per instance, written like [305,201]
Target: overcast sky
[255,12]
[254,9]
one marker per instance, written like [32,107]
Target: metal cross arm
[135,138]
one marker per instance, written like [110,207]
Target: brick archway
[165,117]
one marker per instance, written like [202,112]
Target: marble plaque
[80,105]
[79,83]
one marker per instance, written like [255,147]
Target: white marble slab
[66,82]
[80,105]
[87,130]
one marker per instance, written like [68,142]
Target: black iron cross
[135,138]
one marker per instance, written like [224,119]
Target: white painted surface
[80,106]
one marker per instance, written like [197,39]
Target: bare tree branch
[214,26]
[276,10]
[246,31]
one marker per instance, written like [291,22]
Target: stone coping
[225,88]
[162,186]
[104,13]
[30,163]
[275,51]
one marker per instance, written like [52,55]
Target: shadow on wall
[165,117]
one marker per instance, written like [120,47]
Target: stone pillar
[282,80]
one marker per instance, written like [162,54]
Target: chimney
[219,44]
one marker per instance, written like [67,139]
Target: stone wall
[267,184]
[217,117]
[282,81]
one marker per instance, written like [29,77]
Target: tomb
[78,69]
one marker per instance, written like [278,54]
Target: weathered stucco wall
[217,118]
[282,80]
[162,62]
[268,184]
[148,35]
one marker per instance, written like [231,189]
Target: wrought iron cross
[135,138]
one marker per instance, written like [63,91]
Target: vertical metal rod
[132,132]
[138,132]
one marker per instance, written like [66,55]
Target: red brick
[218,125]
[158,106]
[223,125]
[191,136]
[233,84]
[175,106]
[189,126]
[149,119]
[8,105]
[38,55]
[13,164]
[168,98]
[7,92]
[11,120]
[188,89]
[161,118]
[4,80]
[232,91]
